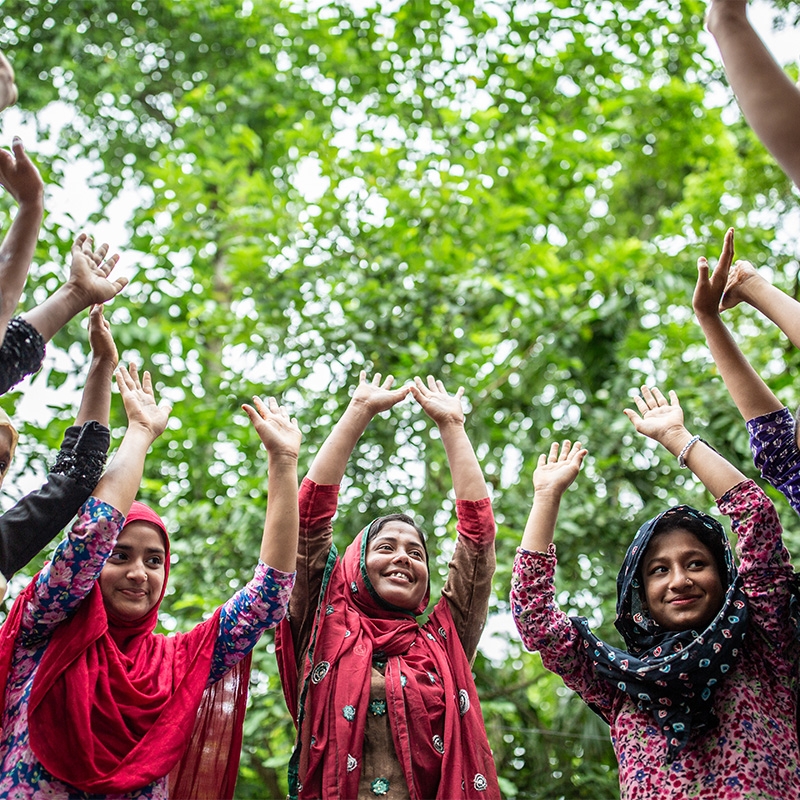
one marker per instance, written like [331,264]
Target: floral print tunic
[60,588]
[753,753]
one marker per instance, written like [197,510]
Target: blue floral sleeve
[252,610]
[70,575]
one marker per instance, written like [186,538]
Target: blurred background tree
[508,195]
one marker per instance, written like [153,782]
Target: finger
[376,379]
[147,383]
[251,412]
[418,382]
[18,147]
[673,398]
[649,399]
[274,407]
[440,386]
[553,454]
[388,383]
[726,256]
[362,376]
[641,404]
[631,415]
[460,393]
[542,460]
[100,253]
[702,269]
[260,407]
[431,383]
[565,448]
[660,399]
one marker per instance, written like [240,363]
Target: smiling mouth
[399,576]
[684,600]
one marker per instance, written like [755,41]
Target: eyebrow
[127,548]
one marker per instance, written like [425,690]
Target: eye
[658,569]
[697,563]
[155,561]
[118,556]
[417,554]
[3,467]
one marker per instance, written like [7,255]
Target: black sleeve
[21,353]
[38,517]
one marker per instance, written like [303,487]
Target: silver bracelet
[686,448]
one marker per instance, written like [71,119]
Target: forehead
[142,535]
[674,544]
[398,531]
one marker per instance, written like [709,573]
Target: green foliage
[509,196]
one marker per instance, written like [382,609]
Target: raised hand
[100,338]
[657,418]
[140,403]
[279,433]
[8,89]
[377,396]
[710,287]
[441,407]
[556,470]
[90,270]
[19,176]
[740,278]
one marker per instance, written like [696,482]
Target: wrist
[282,459]
[725,12]
[71,299]
[675,440]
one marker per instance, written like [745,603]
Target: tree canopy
[510,196]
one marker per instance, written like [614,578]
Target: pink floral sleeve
[764,564]
[545,628]
[70,575]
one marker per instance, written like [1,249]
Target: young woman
[701,702]
[97,705]
[384,706]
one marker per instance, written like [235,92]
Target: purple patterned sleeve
[252,610]
[773,441]
[77,561]
[764,563]
[545,628]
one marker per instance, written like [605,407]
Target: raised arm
[281,437]
[369,398]
[146,422]
[554,473]
[96,399]
[752,396]
[769,100]
[446,411]
[89,284]
[663,421]
[22,181]
[745,285]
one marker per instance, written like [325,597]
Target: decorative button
[380,786]
[479,782]
[328,610]
[352,763]
[463,701]
[349,713]
[320,671]
[438,744]
[377,708]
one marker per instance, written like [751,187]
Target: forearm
[715,473]
[541,525]
[751,395]
[16,255]
[96,399]
[466,472]
[279,542]
[56,311]
[330,462]
[769,100]
[120,483]
[776,305]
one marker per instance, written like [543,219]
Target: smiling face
[132,579]
[682,585]
[397,565]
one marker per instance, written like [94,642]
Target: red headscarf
[436,722]
[131,706]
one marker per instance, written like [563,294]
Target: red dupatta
[131,706]
[432,703]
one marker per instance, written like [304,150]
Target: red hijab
[433,709]
[131,705]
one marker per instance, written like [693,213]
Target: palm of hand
[277,433]
[375,397]
[659,419]
[741,272]
[555,476]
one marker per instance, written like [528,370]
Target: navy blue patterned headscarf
[672,674]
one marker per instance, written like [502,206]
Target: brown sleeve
[317,507]
[469,581]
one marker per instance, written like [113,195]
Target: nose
[680,580]
[136,571]
[401,556]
